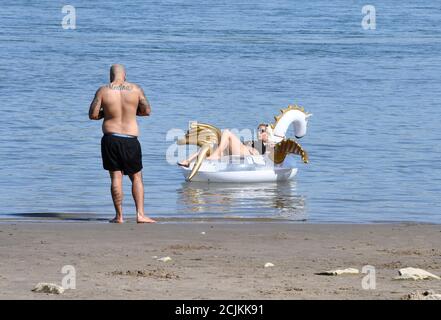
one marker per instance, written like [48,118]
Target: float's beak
[300,126]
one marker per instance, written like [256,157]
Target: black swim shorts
[121,153]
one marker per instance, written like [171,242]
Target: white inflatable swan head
[293,114]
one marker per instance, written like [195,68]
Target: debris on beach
[203,232]
[268,265]
[43,287]
[338,272]
[165,259]
[425,295]
[155,273]
[415,274]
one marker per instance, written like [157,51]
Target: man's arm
[95,112]
[143,105]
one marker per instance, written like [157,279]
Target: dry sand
[227,262]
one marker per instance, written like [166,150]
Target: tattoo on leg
[117,196]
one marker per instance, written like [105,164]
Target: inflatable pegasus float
[278,164]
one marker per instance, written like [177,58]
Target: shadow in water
[260,200]
[41,216]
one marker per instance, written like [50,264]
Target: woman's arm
[253,151]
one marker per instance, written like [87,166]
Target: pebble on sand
[203,232]
[426,295]
[165,259]
[268,265]
[43,287]
[415,274]
[338,272]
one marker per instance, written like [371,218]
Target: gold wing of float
[285,147]
[204,136]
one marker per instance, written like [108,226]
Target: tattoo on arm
[143,105]
[95,111]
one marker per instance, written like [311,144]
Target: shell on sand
[48,288]
[415,274]
[165,259]
[268,265]
[338,272]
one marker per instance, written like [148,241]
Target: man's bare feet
[140,218]
[117,220]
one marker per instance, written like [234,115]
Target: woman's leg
[224,143]
[234,145]
[187,162]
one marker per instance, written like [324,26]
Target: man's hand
[101,114]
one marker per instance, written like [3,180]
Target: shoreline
[216,260]
[90,218]
[220,221]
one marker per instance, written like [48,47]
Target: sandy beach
[215,260]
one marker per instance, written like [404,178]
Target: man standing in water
[119,103]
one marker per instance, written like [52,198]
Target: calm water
[374,139]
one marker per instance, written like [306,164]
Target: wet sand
[227,262]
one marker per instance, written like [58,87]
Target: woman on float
[230,143]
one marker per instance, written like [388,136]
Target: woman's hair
[263,125]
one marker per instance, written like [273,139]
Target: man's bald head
[117,72]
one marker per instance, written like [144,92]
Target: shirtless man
[119,103]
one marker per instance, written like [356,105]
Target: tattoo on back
[120,87]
